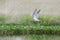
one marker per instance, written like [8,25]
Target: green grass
[28,27]
[47,24]
[25,29]
[27,20]
[43,37]
[2,19]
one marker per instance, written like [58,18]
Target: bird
[35,15]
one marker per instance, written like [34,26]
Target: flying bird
[35,15]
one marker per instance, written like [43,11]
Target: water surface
[31,37]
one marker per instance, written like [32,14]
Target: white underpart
[35,17]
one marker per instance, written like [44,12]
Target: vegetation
[47,25]
[28,29]
[2,19]
[43,37]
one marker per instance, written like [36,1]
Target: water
[31,37]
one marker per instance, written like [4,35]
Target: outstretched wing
[34,11]
[38,11]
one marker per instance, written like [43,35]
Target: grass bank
[47,25]
[27,20]
[16,29]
